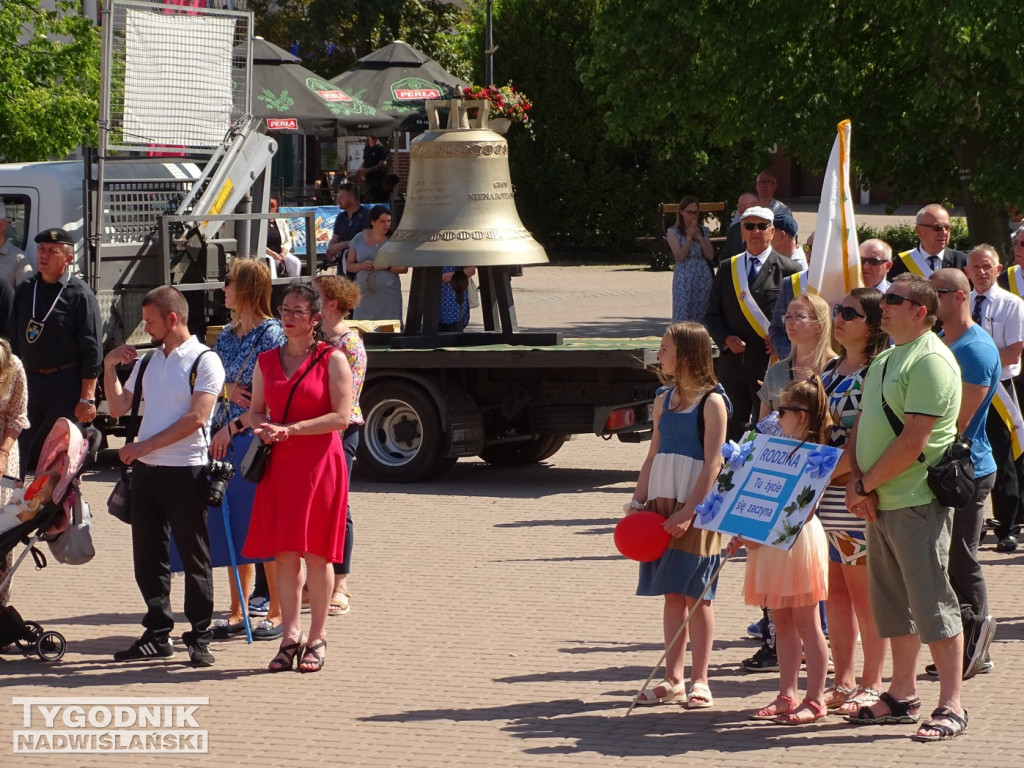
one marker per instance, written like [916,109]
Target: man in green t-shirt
[909,530]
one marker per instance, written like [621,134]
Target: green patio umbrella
[292,99]
[397,80]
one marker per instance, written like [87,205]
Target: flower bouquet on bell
[505,102]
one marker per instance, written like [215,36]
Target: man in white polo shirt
[1001,314]
[169,481]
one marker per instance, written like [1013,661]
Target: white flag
[835,256]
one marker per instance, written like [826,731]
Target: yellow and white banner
[749,307]
[1008,410]
[835,255]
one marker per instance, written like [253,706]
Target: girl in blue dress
[680,470]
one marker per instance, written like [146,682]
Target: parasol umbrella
[397,79]
[292,99]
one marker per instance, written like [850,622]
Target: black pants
[349,441]
[743,396]
[51,396]
[1005,492]
[965,574]
[172,501]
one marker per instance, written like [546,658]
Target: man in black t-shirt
[374,169]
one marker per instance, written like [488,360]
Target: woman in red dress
[299,511]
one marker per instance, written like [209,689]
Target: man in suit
[743,297]
[933,229]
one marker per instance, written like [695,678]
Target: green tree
[581,185]
[49,80]
[332,34]
[934,88]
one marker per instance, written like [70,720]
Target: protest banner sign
[767,488]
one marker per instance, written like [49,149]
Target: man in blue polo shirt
[978,357]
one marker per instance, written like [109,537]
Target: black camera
[220,473]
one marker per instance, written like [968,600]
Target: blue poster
[325,216]
[767,487]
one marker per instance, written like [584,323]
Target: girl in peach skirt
[793,582]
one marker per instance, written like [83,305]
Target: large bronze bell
[460,212]
[460,208]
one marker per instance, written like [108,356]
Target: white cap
[758,212]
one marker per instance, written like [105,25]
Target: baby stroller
[64,522]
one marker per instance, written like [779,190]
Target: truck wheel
[523,451]
[402,441]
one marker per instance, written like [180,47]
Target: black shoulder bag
[257,458]
[119,503]
[951,478]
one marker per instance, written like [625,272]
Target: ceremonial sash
[1009,412]
[915,262]
[747,304]
[799,283]
[1015,280]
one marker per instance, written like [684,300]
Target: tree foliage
[49,80]
[934,88]
[580,185]
[332,34]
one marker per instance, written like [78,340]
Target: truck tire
[402,441]
[523,451]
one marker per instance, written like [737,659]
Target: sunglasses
[873,262]
[750,227]
[937,227]
[847,313]
[895,300]
[784,409]
[946,290]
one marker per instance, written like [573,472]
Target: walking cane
[225,509]
[679,633]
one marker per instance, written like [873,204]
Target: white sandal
[339,603]
[699,697]
[672,690]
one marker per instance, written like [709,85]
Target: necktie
[934,263]
[976,314]
[751,270]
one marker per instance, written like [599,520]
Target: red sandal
[793,717]
[773,711]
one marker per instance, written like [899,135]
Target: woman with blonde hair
[809,328]
[13,419]
[253,329]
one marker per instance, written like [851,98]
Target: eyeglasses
[751,226]
[692,212]
[784,409]
[895,300]
[873,262]
[847,313]
[796,318]
[284,311]
[937,227]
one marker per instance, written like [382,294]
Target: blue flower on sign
[822,461]
[736,454]
[708,509]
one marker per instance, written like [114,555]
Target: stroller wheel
[27,642]
[51,646]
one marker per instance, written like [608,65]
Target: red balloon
[640,537]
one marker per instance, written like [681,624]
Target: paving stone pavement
[492,623]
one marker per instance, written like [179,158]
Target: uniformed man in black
[56,333]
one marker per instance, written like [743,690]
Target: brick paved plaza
[493,623]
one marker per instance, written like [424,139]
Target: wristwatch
[859,487]
[87,401]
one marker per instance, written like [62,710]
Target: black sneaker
[200,656]
[145,648]
[765,660]
[1007,544]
